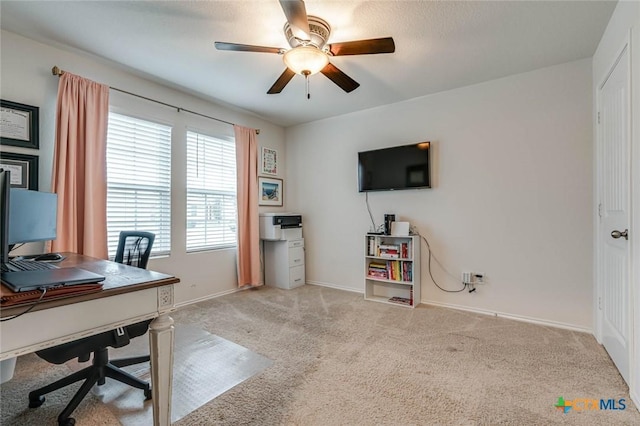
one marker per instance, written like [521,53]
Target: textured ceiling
[439,45]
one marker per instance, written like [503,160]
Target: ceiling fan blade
[281,82]
[345,82]
[296,14]
[363,47]
[220,45]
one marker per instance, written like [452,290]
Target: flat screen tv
[399,167]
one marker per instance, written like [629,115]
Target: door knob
[617,234]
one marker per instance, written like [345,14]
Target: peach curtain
[247,189]
[80,166]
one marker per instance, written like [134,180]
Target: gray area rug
[340,360]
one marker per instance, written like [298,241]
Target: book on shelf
[386,249]
[379,274]
[378,270]
[407,272]
[395,270]
[389,255]
[401,301]
[371,246]
[391,251]
[404,250]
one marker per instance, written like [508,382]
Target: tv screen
[400,167]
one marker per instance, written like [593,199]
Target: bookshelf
[392,269]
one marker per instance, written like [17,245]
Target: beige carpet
[339,360]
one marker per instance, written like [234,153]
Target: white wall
[624,27]
[26,78]
[512,168]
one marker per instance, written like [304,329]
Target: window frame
[209,192]
[167,194]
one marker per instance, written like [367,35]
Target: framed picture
[269,161]
[270,191]
[18,125]
[23,168]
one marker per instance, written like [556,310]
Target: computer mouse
[49,257]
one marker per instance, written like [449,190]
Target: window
[211,192]
[138,180]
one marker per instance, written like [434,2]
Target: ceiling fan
[309,54]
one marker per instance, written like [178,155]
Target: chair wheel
[147,394]
[36,402]
[69,421]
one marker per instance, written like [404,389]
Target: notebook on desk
[62,277]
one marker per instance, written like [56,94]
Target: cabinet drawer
[296,243]
[296,276]
[296,256]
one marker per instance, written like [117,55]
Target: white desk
[129,295]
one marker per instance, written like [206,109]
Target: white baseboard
[635,398]
[538,321]
[207,297]
[531,320]
[337,287]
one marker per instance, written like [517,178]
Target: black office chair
[134,249]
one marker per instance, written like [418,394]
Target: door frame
[634,52]
[632,44]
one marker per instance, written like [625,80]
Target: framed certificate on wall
[18,124]
[23,168]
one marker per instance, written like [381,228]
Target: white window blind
[211,192]
[138,180]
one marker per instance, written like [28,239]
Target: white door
[613,226]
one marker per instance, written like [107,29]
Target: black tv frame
[419,173]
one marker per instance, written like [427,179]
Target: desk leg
[161,344]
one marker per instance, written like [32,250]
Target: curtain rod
[57,71]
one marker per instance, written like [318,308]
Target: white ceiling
[440,45]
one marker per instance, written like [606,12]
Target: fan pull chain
[306,82]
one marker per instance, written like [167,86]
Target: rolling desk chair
[134,249]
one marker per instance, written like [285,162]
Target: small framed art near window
[23,168]
[270,191]
[269,162]
[18,125]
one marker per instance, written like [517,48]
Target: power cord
[33,305]
[471,290]
[366,198]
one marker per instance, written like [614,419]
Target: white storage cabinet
[284,263]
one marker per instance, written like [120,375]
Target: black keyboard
[26,265]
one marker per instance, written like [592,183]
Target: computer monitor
[32,216]
[5,180]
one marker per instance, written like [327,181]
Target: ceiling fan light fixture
[305,60]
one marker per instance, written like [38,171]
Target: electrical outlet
[466,277]
[478,278]
[165,296]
